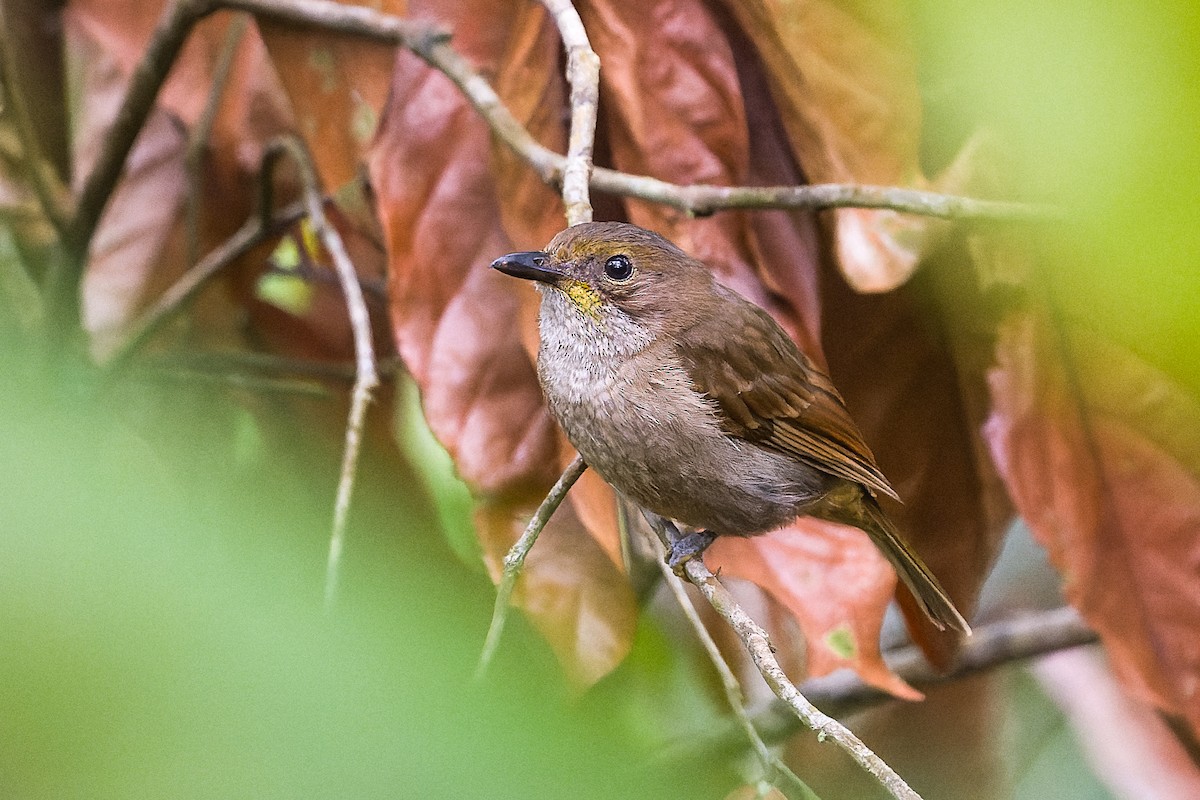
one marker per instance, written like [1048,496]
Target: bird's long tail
[925,587]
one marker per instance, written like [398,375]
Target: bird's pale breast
[630,409]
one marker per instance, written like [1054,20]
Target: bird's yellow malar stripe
[585,298]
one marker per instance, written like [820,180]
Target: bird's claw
[686,547]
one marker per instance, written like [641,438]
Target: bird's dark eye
[618,268]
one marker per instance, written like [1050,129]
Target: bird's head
[606,268]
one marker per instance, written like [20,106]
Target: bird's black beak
[533,265]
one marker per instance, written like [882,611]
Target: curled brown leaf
[1089,441]
[458,326]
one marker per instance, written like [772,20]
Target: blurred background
[163,531]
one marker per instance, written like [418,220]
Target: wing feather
[768,392]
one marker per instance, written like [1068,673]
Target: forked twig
[758,645]
[773,766]
[432,45]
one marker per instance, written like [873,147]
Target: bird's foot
[684,547]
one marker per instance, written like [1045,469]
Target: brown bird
[693,403]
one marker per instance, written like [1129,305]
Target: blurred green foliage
[1099,107]
[161,633]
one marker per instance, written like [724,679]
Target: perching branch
[762,653]
[758,644]
[702,199]
[773,767]
[990,646]
[514,560]
[583,74]
[367,378]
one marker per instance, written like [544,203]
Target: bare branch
[367,377]
[583,73]
[433,47]
[992,645]
[431,44]
[762,653]
[514,560]
[183,291]
[773,768]
[702,199]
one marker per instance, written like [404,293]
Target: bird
[693,403]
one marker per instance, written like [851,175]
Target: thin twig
[198,139]
[148,77]
[992,645]
[773,767]
[367,377]
[514,560]
[251,234]
[702,199]
[583,73]
[431,44]
[762,653]
[758,645]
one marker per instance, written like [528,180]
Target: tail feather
[925,587]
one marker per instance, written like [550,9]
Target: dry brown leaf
[138,222]
[123,31]
[337,86]
[844,77]
[454,318]
[129,265]
[577,598]
[1108,480]
[530,82]
[833,581]
[456,323]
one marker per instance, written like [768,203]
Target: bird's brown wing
[770,393]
